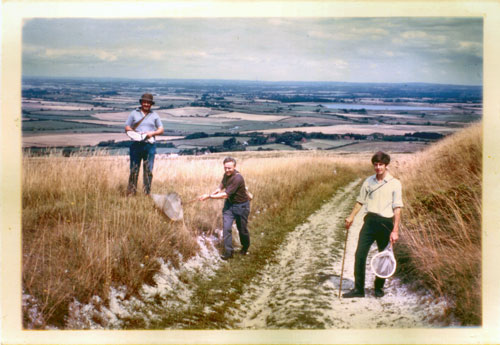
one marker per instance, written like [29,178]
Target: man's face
[146,106]
[229,168]
[380,168]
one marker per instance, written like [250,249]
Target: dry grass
[81,235]
[442,220]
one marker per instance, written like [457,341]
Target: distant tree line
[295,138]
[295,98]
[127,143]
[291,138]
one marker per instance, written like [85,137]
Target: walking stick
[343,258]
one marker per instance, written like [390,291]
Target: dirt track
[300,288]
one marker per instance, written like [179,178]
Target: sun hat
[147,97]
[170,204]
[384,263]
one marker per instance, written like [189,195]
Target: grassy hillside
[82,235]
[441,228]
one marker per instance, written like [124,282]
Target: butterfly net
[384,263]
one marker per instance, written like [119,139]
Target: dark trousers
[145,152]
[375,228]
[239,213]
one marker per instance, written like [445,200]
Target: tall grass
[82,235]
[441,228]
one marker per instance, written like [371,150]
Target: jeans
[239,213]
[140,150]
[375,228]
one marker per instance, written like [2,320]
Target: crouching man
[236,207]
[382,195]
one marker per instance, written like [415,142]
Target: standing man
[381,194]
[236,207]
[145,121]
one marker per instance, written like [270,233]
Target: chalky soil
[299,289]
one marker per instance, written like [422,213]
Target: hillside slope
[441,228]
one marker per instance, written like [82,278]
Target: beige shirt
[381,197]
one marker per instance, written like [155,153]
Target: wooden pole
[343,258]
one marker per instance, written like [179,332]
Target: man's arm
[395,230]
[159,127]
[350,219]
[159,131]
[218,194]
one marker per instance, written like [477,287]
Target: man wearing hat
[145,121]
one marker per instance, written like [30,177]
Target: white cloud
[322,35]
[398,41]
[195,53]
[341,64]
[419,37]
[474,48]
[353,34]
[71,53]
[105,56]
[414,34]
[370,31]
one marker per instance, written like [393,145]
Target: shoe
[244,252]
[353,293]
[379,293]
[226,256]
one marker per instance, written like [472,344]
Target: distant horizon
[241,80]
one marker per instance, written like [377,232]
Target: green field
[55,125]
[277,147]
[203,142]
[324,144]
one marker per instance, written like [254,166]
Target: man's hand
[350,219]
[394,237]
[204,197]
[348,222]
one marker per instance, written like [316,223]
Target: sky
[441,50]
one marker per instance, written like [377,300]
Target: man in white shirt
[381,194]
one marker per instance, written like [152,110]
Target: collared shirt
[235,188]
[150,124]
[381,197]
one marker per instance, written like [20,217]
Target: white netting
[384,263]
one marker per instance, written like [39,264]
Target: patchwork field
[387,146]
[250,117]
[76,139]
[324,144]
[50,105]
[80,112]
[274,147]
[365,129]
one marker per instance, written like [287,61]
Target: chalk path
[300,289]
